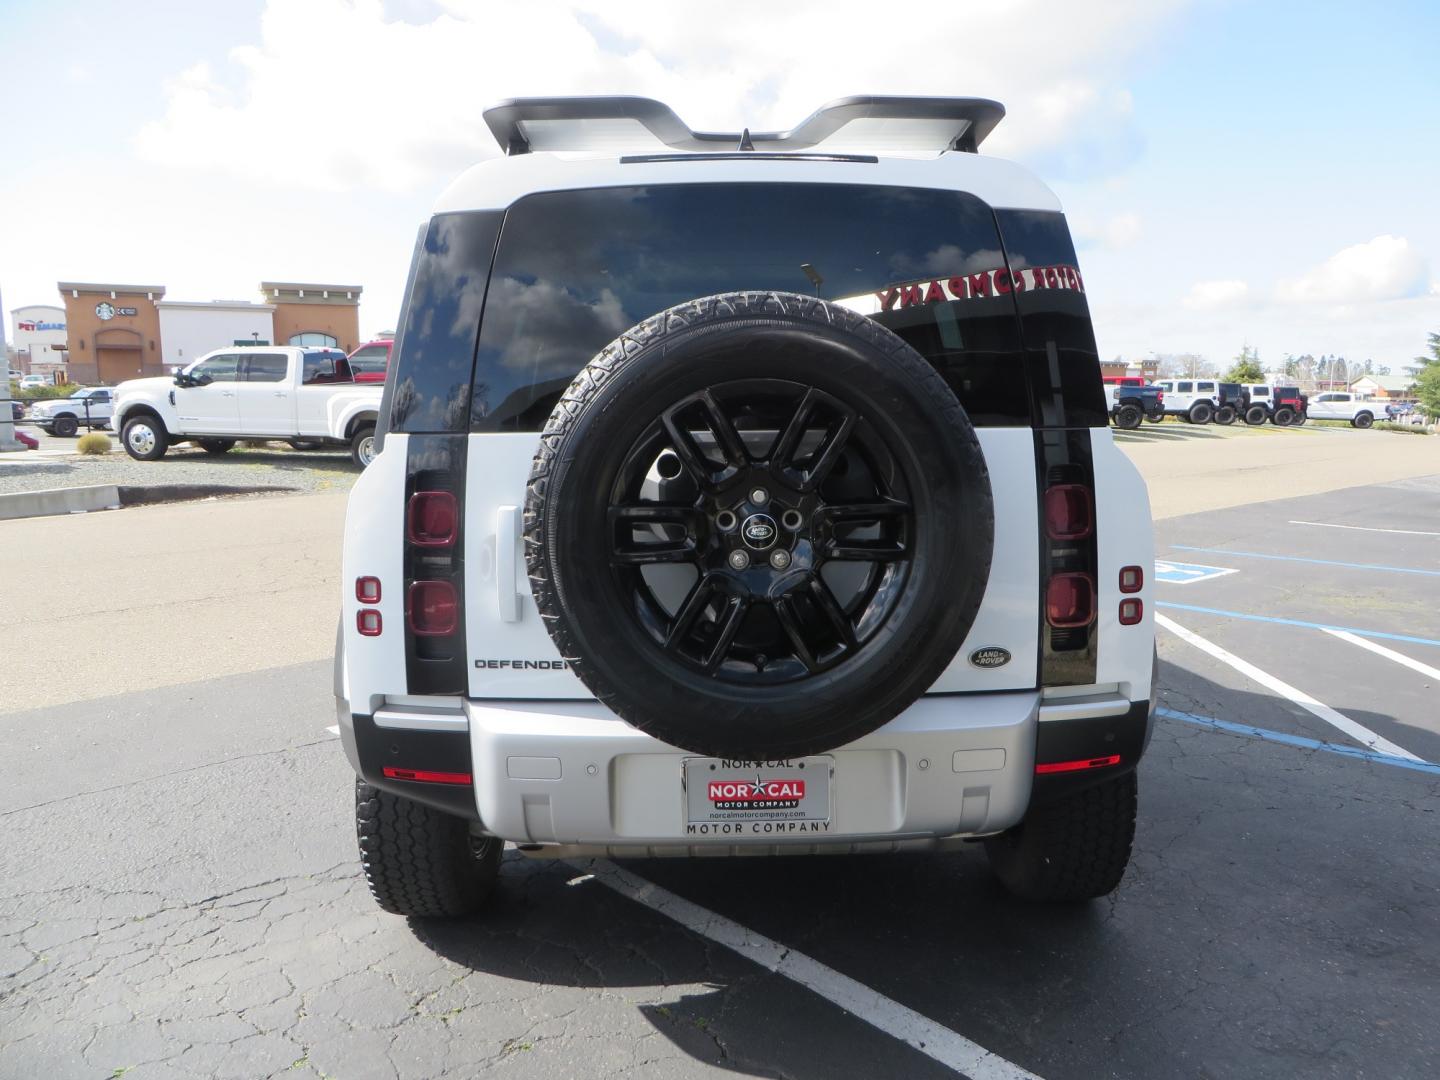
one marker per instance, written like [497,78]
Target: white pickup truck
[303,396]
[89,407]
[1340,405]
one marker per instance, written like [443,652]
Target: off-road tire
[1128,417]
[155,449]
[1362,420]
[1256,415]
[304,444]
[362,445]
[1200,413]
[1283,417]
[65,427]
[692,345]
[1154,419]
[216,447]
[1225,415]
[420,862]
[1300,418]
[1070,850]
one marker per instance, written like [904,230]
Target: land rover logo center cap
[758,531]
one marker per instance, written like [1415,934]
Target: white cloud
[1385,268]
[1213,295]
[337,95]
[1116,232]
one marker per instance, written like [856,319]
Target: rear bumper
[572,774]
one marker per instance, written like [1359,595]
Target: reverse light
[432,519]
[368,622]
[1132,579]
[367,590]
[432,608]
[1070,600]
[1067,512]
[1131,611]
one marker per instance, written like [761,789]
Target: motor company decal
[985,283]
[728,797]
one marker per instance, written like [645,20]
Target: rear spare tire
[758,525]
[216,447]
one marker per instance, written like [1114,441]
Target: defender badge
[990,656]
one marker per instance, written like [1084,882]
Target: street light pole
[8,442]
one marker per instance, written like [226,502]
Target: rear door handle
[280,393]
[507,547]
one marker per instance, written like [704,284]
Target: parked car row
[1205,401]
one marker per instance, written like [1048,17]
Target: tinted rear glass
[574,269]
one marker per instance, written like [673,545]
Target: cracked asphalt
[180,897]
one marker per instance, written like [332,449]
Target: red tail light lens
[1131,611]
[432,608]
[1070,600]
[367,590]
[1132,579]
[432,519]
[1078,766]
[368,622]
[1067,512]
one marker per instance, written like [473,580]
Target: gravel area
[280,468]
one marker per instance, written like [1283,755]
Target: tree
[1427,387]
[1246,368]
[1432,346]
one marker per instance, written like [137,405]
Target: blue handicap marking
[1179,573]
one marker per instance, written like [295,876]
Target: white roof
[495,184]
[1391,383]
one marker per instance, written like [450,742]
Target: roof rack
[522,125]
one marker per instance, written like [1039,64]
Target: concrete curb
[81,500]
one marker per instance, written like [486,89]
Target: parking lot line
[1359,732]
[1296,740]
[1383,635]
[933,1040]
[1389,654]
[1365,528]
[1317,562]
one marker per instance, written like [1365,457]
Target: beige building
[314,314]
[112,332]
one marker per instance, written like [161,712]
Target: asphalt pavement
[180,897]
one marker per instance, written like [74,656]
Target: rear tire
[1225,415]
[216,447]
[1201,412]
[65,427]
[420,862]
[1363,420]
[1070,850]
[1128,417]
[362,446]
[1154,419]
[1255,415]
[1283,417]
[304,444]
[145,438]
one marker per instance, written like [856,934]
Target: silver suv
[744,492]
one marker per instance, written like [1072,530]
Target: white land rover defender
[744,493]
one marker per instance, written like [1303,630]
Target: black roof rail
[521,125]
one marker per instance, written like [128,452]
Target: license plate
[725,797]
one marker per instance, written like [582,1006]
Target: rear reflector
[432,519]
[432,608]
[1131,611]
[425,777]
[1067,512]
[1070,600]
[367,590]
[368,622]
[1132,579]
[1071,766]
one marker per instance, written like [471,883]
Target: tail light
[432,519]
[1070,601]
[1160,395]
[432,608]
[1068,513]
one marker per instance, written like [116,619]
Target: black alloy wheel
[758,526]
[1284,416]
[1225,415]
[1128,417]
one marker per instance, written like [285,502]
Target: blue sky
[1234,173]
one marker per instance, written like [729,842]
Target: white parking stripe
[931,1039]
[1365,528]
[1389,654]
[1359,732]
[334,729]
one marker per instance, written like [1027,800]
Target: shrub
[93,442]
[43,393]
